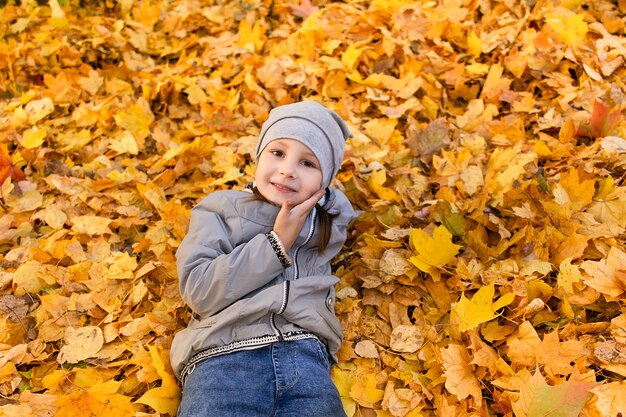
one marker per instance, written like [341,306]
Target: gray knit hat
[309,122]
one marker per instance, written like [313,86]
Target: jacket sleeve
[214,270]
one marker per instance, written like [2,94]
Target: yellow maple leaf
[250,36]
[33,137]
[148,13]
[376,181]
[343,381]
[380,129]
[101,399]
[26,280]
[505,166]
[568,275]
[365,392]
[352,54]
[474,44]
[432,252]
[388,6]
[163,399]
[124,143]
[137,119]
[481,308]
[450,163]
[122,266]
[153,194]
[195,94]
[72,140]
[580,192]
[570,27]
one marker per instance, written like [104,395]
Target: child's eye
[309,164]
[277,153]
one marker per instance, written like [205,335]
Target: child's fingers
[286,208]
[308,204]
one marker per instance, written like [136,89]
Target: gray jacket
[241,294]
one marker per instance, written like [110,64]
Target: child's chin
[279,202]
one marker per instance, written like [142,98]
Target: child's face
[287,170]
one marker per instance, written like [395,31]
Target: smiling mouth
[283,188]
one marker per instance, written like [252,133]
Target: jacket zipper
[296,274]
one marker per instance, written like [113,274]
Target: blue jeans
[285,379]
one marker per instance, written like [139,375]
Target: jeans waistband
[253,343]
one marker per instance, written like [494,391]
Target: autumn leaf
[611,398]
[481,308]
[460,378]
[432,252]
[343,381]
[80,344]
[91,225]
[607,275]
[351,55]
[430,140]
[136,119]
[454,221]
[537,398]
[609,207]
[376,182]
[405,338]
[568,276]
[33,137]
[8,168]
[365,392]
[580,192]
[100,399]
[37,110]
[163,399]
[474,44]
[250,36]
[496,84]
[304,10]
[570,27]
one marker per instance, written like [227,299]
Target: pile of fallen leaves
[485,276]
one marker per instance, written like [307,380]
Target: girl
[255,270]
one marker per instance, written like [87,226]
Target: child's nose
[287,169]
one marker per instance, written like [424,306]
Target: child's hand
[291,218]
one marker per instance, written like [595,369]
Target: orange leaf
[8,168]
[100,400]
[460,378]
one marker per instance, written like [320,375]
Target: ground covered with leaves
[486,275]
